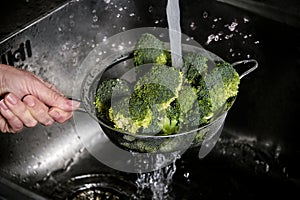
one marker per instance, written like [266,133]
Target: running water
[173,17]
[158,182]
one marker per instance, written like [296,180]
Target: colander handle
[243,62]
[81,107]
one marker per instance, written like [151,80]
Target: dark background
[15,14]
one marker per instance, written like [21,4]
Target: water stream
[173,18]
[158,182]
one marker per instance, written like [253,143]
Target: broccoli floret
[153,93]
[217,90]
[195,66]
[160,85]
[171,122]
[157,122]
[119,114]
[107,90]
[190,114]
[148,109]
[149,49]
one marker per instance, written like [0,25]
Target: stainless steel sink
[257,151]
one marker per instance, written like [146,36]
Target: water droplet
[205,14]
[131,14]
[123,28]
[186,175]
[95,18]
[150,9]
[232,26]
[72,23]
[156,21]
[210,38]
[120,47]
[93,11]
[118,15]
[246,20]
[193,26]
[120,9]
[106,1]
[59,29]
[256,42]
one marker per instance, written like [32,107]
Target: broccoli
[157,121]
[149,49]
[195,66]
[106,91]
[217,90]
[119,114]
[160,85]
[166,100]
[171,122]
[155,91]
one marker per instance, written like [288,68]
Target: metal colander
[119,64]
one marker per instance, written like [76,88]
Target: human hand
[28,100]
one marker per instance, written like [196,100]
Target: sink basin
[256,154]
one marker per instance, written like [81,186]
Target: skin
[26,100]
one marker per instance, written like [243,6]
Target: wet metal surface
[258,151]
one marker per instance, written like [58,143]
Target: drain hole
[97,194]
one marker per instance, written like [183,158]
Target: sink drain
[97,194]
[97,187]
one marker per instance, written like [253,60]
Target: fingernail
[73,104]
[11,99]
[29,102]
[3,106]
[54,114]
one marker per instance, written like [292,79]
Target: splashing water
[157,182]
[173,17]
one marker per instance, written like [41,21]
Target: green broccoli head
[155,91]
[106,91]
[166,100]
[156,125]
[149,49]
[195,66]
[120,115]
[231,80]
[160,85]
[217,90]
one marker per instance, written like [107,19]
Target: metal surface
[258,150]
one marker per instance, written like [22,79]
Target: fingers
[19,109]
[9,122]
[16,114]
[59,115]
[52,98]
[38,110]
[43,114]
